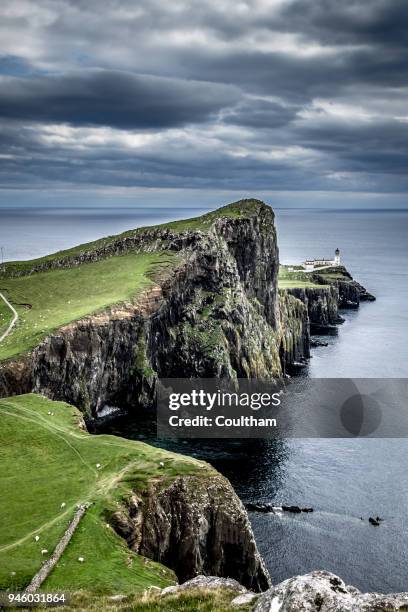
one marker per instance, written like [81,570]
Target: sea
[344,480]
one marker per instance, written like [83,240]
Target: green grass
[48,300]
[296,279]
[299,284]
[240,209]
[197,600]
[46,461]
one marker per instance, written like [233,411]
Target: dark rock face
[295,332]
[322,305]
[350,292]
[216,315]
[194,525]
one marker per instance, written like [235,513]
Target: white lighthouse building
[337,257]
[311,264]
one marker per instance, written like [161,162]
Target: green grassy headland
[241,209]
[295,279]
[48,300]
[48,466]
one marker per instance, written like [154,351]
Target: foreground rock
[315,592]
[324,592]
[206,582]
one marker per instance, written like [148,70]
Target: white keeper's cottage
[311,264]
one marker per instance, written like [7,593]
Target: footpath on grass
[14,319]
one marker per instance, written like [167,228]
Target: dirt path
[14,319]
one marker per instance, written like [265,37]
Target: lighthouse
[337,257]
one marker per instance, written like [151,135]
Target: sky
[201,102]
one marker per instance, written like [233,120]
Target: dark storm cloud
[295,94]
[111,98]
[349,21]
[260,113]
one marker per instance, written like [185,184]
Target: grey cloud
[152,66]
[112,98]
[259,113]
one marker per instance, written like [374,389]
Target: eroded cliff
[215,313]
[193,525]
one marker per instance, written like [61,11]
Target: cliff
[322,305]
[324,293]
[350,292]
[151,516]
[295,331]
[194,526]
[214,313]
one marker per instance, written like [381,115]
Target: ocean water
[343,480]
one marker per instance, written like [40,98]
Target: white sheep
[44,551]
[37,538]
[81,559]
[63,505]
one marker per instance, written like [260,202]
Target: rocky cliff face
[218,313]
[295,331]
[350,292]
[215,315]
[194,525]
[322,305]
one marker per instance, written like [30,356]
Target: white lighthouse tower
[336,257]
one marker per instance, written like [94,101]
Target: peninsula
[95,327]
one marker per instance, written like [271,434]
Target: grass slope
[47,300]
[296,279]
[197,600]
[240,209]
[46,461]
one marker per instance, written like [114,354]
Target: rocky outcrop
[322,305]
[315,592]
[295,332]
[215,315]
[350,292]
[324,592]
[330,290]
[194,525]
